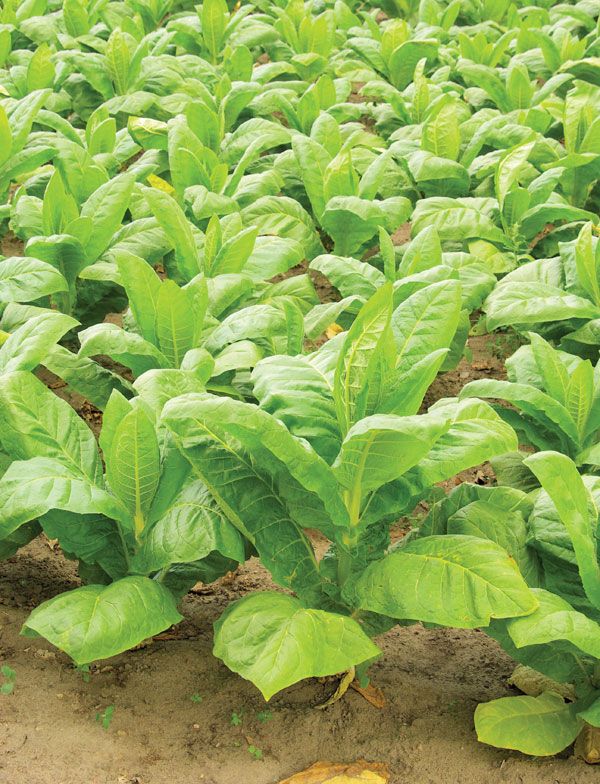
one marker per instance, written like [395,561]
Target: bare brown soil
[432,679]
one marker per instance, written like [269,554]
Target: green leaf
[551,368]
[476,434]
[156,387]
[247,497]
[555,619]
[351,221]
[27,346]
[426,322]
[269,442]
[441,134]
[455,580]
[128,348]
[507,527]
[273,641]
[133,465]
[214,15]
[40,70]
[313,160]
[509,169]
[36,423]
[350,276]
[97,622]
[143,286]
[176,226]
[404,59]
[586,264]
[118,59]
[357,361]
[25,279]
[561,480]
[380,448]
[106,208]
[299,394]
[530,400]
[540,726]
[191,529]
[175,325]
[30,488]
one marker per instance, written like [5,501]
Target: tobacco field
[299,392]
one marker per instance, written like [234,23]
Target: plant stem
[123,544]
[344,567]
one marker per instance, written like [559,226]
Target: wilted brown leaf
[371,694]
[587,745]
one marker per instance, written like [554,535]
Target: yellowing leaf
[359,772]
[154,181]
[333,330]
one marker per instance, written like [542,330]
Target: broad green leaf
[246,496]
[507,527]
[128,348]
[273,641]
[351,221]
[156,387]
[25,279]
[403,61]
[174,223]
[426,322]
[36,423]
[380,448]
[540,726]
[580,396]
[441,134]
[133,465]
[84,376]
[175,326]
[586,264]
[97,621]
[550,367]
[106,208]
[476,434]
[357,361]
[40,70]
[509,169]
[118,59]
[298,393]
[269,442]
[530,400]
[349,276]
[404,392]
[555,619]
[235,252]
[142,285]
[561,480]
[454,580]
[30,488]
[191,529]
[284,217]
[27,346]
[313,160]
[214,15]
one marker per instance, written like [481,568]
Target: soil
[432,679]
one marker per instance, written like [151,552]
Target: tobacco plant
[551,534]
[142,529]
[336,444]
